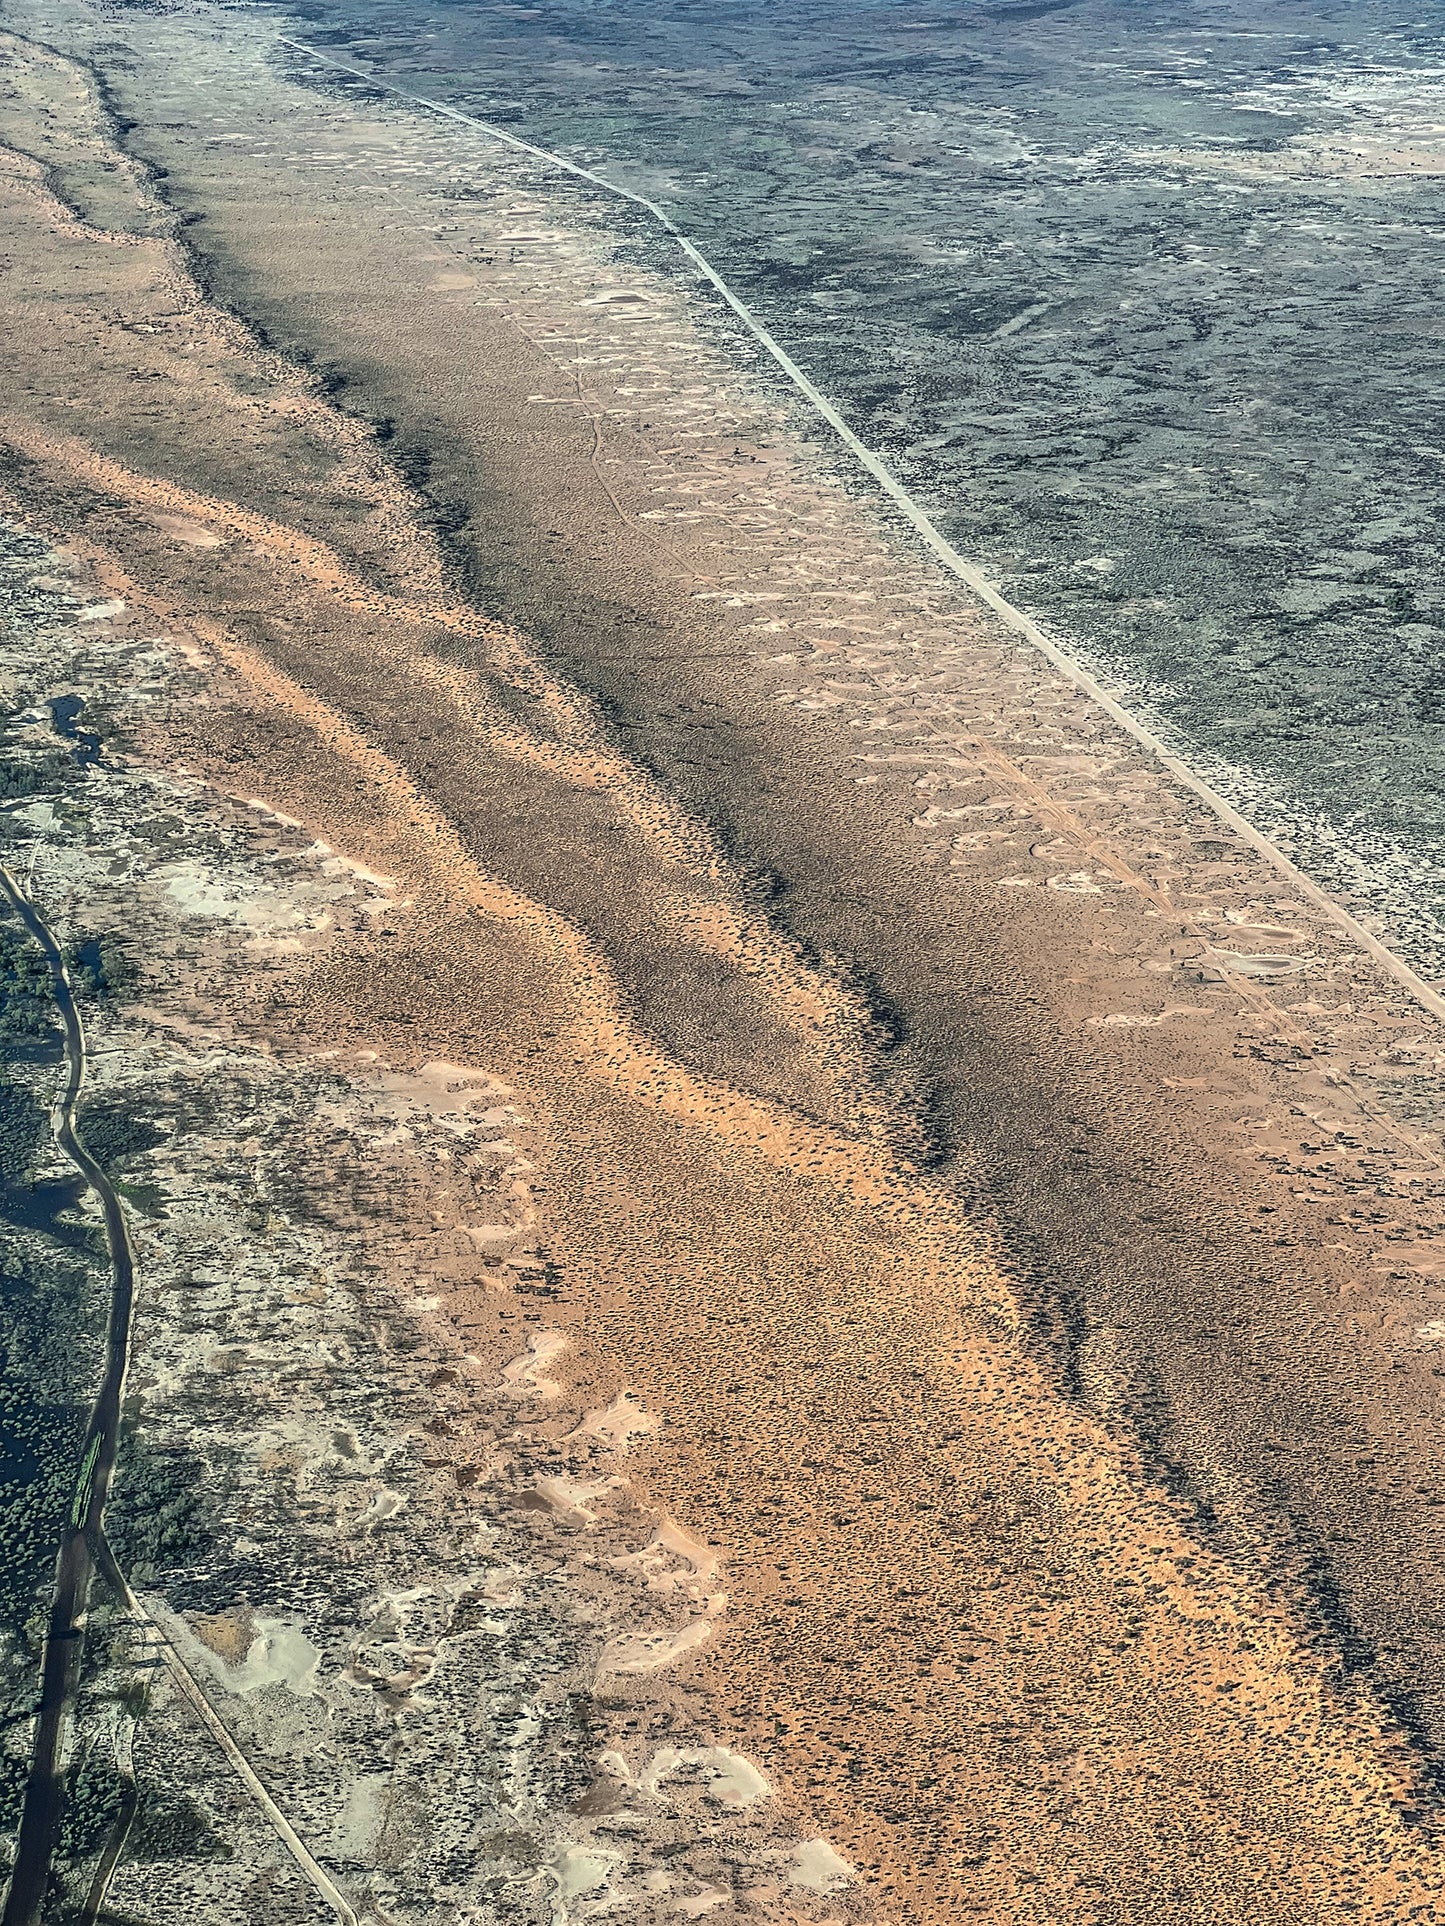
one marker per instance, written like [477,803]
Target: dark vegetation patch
[46,1361]
[172,1825]
[24,1126]
[161,1515]
[39,1451]
[99,966]
[22,776]
[115,1136]
[28,1013]
[29,1033]
[95,1797]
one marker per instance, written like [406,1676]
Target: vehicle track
[973,577]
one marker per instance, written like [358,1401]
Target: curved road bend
[60,1662]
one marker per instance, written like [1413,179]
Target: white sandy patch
[577,1870]
[676,1561]
[333,863]
[1241,921]
[259,802]
[485,1236]
[695,1905]
[731,1779]
[574,1498]
[623,1420]
[190,534]
[280,1654]
[524,1376]
[451,1094]
[935,813]
[1136,1020]
[652,1651]
[818,1868]
[39,817]
[301,1443]
[1262,965]
[195,891]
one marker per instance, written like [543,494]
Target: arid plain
[963,1352]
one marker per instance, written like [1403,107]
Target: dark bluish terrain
[1145,303]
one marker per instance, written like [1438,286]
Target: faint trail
[966,572]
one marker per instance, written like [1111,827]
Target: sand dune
[955,1163]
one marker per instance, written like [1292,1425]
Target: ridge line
[969,573]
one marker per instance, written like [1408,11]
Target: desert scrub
[95,1795]
[172,1825]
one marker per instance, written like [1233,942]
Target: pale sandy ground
[985,1663]
[421,1559]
